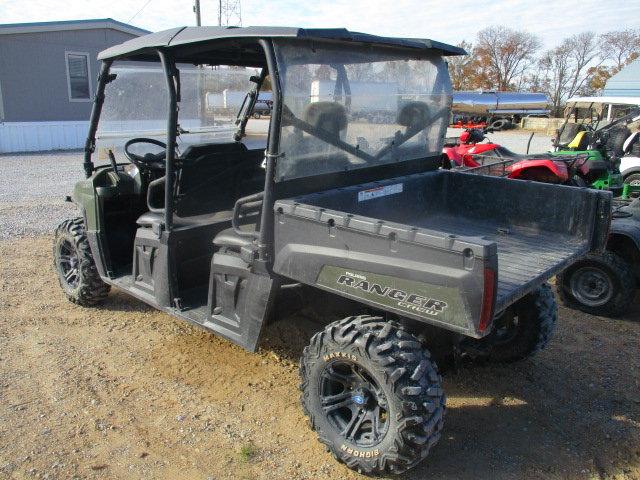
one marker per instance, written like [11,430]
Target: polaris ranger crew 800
[197,216]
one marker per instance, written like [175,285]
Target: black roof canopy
[238,46]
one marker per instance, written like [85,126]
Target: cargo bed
[525,258]
[441,230]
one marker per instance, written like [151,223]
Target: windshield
[580,116]
[136,105]
[351,107]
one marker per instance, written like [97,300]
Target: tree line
[505,59]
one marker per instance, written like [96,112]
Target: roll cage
[248,47]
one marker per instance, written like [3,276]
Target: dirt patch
[124,391]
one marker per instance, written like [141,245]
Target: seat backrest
[581,141]
[569,133]
[200,162]
[414,115]
[214,181]
[330,117]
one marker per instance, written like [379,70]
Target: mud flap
[239,300]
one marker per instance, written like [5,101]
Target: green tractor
[596,140]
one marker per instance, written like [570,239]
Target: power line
[143,7]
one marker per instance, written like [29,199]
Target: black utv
[203,218]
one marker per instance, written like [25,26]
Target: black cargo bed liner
[525,258]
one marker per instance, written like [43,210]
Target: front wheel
[372,394]
[73,262]
[601,285]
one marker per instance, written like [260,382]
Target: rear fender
[530,169]
[629,165]
[624,241]
[452,155]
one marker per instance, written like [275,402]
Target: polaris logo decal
[404,300]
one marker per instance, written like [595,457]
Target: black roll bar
[243,206]
[171,77]
[96,109]
[245,110]
[265,239]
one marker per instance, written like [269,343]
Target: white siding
[42,136]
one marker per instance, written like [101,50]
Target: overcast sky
[450,21]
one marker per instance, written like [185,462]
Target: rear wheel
[521,331]
[74,264]
[372,394]
[599,284]
[634,181]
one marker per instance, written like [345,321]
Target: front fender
[84,196]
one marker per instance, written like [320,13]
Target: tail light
[488,296]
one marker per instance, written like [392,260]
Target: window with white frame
[78,76]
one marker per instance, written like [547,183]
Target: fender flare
[630,171]
[518,168]
[625,228]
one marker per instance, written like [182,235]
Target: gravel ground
[124,391]
[33,186]
[32,191]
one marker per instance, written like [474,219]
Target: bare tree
[461,68]
[505,54]
[566,69]
[555,74]
[620,47]
[583,48]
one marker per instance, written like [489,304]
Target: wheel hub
[353,403]
[506,327]
[68,264]
[361,397]
[591,286]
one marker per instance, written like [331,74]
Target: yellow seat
[580,141]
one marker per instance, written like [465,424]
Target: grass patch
[247,452]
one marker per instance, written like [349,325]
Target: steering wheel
[149,159]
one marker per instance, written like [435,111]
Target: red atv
[468,151]
[469,124]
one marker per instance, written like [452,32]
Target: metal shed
[48,74]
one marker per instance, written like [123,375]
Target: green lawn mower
[598,143]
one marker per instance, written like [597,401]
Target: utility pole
[196,9]
[219,13]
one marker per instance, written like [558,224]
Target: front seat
[330,117]
[414,115]
[306,154]
[247,214]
